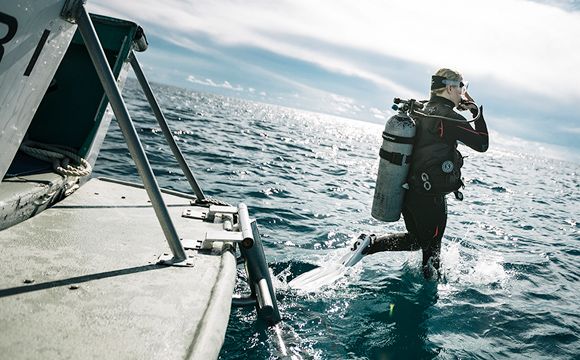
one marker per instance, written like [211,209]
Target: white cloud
[342,99]
[517,43]
[209,82]
[227,85]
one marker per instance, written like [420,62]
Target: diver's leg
[432,236]
[432,260]
[399,241]
[393,242]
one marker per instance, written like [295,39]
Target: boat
[99,267]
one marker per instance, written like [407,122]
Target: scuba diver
[434,169]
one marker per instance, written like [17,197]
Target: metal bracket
[195,213]
[209,214]
[191,244]
[169,260]
[210,238]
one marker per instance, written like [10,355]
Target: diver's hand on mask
[465,105]
[471,106]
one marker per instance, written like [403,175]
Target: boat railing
[165,128]
[97,55]
[262,290]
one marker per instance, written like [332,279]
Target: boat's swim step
[86,269]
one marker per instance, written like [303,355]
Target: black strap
[393,157]
[397,139]
[437,82]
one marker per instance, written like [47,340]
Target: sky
[351,58]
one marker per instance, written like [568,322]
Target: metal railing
[107,79]
[251,248]
[164,127]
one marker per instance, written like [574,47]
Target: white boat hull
[33,41]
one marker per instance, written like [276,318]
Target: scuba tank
[394,163]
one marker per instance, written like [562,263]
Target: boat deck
[80,280]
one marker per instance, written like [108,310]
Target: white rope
[60,157]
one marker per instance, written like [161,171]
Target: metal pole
[101,65]
[164,127]
[245,225]
[257,269]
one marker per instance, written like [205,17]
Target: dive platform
[82,279]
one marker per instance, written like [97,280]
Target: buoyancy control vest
[436,165]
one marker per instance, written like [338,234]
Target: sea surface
[511,251]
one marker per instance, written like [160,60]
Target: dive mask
[438,82]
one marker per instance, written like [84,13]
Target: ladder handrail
[165,127]
[107,79]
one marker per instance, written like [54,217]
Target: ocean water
[510,252]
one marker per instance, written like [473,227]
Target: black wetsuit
[426,214]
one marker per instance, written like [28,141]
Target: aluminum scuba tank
[394,163]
